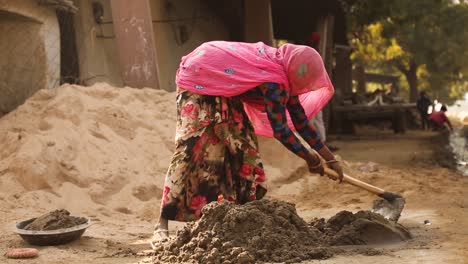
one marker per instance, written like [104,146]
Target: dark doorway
[69,64]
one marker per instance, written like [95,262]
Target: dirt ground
[405,164]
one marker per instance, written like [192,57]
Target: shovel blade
[391,210]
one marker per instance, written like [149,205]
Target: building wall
[29,51]
[96,46]
[97,49]
[170,19]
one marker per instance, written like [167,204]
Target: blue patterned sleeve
[275,100]
[302,123]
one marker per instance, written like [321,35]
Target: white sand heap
[86,148]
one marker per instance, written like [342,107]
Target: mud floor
[272,231]
[56,219]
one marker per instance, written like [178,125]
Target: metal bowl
[51,237]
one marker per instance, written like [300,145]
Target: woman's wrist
[313,160]
[326,154]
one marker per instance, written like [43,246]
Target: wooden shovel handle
[363,185]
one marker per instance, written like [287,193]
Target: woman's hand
[315,164]
[331,163]
[334,165]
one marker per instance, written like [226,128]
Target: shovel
[389,207]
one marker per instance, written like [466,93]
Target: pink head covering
[221,68]
[304,68]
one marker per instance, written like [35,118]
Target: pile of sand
[96,149]
[271,231]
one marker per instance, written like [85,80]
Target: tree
[373,52]
[430,34]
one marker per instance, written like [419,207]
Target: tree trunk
[412,78]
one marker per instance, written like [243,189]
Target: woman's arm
[275,100]
[302,124]
[309,134]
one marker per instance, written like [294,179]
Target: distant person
[391,96]
[437,120]
[423,104]
[393,91]
[378,98]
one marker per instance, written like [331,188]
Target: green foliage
[372,49]
[423,39]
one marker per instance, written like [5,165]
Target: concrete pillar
[343,69]
[258,23]
[325,29]
[135,42]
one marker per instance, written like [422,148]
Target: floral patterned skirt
[216,157]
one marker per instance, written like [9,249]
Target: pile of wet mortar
[54,220]
[271,231]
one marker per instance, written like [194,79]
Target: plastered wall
[179,27]
[96,46]
[29,51]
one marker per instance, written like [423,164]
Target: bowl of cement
[54,228]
